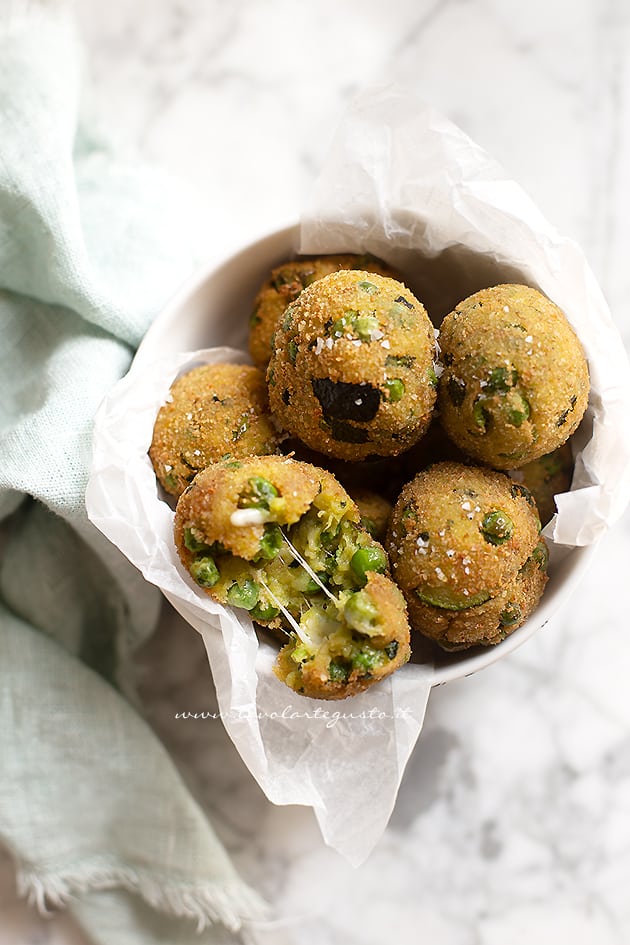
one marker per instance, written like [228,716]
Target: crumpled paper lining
[464,226]
[344,759]
[405,184]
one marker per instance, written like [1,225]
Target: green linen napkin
[89,799]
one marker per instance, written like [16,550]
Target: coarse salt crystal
[466,506]
[506,309]
[440,574]
[319,347]
[376,334]
[529,339]
[385,344]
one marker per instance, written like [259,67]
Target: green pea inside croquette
[204,571]
[292,350]
[368,658]
[360,612]
[259,493]
[497,527]
[339,670]
[447,599]
[364,326]
[264,612]
[368,287]
[368,559]
[502,379]
[511,615]
[516,408]
[481,414]
[395,389]
[540,556]
[193,543]
[270,543]
[244,595]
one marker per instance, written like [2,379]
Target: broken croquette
[212,411]
[352,374]
[283,540]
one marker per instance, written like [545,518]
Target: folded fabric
[89,800]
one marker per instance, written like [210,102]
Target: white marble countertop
[513,821]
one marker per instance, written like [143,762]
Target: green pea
[193,543]
[338,671]
[432,377]
[540,556]
[516,409]
[447,599]
[259,493]
[270,543]
[511,615]
[396,389]
[292,351]
[367,659]
[171,480]
[368,559]
[501,379]
[339,326]
[497,527]
[264,612]
[204,571]
[481,414]
[360,613]
[368,287]
[301,654]
[364,325]
[244,595]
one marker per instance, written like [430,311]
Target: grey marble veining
[513,821]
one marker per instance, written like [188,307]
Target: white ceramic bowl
[213,309]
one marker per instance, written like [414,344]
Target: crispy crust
[457,583]
[211,411]
[352,371]
[515,384]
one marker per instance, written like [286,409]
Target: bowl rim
[150,349]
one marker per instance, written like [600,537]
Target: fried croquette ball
[283,540]
[375,510]
[515,384]
[211,411]
[283,287]
[545,478]
[465,550]
[352,371]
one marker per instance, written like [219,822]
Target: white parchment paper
[405,184]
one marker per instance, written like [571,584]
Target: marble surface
[513,821]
